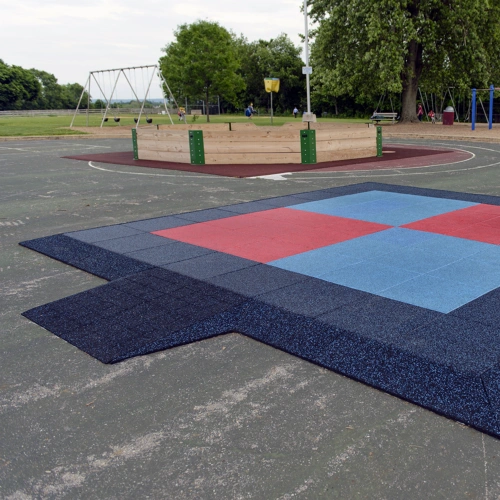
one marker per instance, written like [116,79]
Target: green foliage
[277,58]
[363,48]
[202,62]
[18,87]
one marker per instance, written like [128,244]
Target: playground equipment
[148,73]
[474,106]
[246,143]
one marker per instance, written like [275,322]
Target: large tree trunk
[411,77]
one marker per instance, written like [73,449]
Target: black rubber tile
[158,223]
[248,208]
[463,344]
[59,247]
[281,201]
[209,265]
[133,243]
[379,318]
[256,280]
[205,215]
[103,233]
[311,196]
[313,297]
[110,266]
[485,309]
[167,254]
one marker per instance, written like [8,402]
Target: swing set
[489,118]
[107,83]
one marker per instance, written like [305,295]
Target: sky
[70,38]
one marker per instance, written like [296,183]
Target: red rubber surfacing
[271,234]
[478,223]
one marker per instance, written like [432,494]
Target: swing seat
[116,119]
[136,120]
[149,120]
[105,119]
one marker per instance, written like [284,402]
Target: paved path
[223,418]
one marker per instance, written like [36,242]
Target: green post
[379,141]
[308,146]
[196,147]
[134,144]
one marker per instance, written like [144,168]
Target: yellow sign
[272,84]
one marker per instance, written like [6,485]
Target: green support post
[379,141]
[308,146]
[196,147]
[134,144]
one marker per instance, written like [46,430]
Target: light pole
[307,70]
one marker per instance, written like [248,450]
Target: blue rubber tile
[329,206]
[369,276]
[158,223]
[489,255]
[433,293]
[415,259]
[256,280]
[379,318]
[103,233]
[168,254]
[318,262]
[471,271]
[209,265]
[398,237]
[313,297]
[133,243]
[484,309]
[455,248]
[205,215]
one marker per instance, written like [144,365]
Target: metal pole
[306,47]
[473,109]
[271,107]
[79,101]
[492,92]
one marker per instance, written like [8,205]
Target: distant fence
[71,112]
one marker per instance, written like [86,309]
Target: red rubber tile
[477,223]
[272,234]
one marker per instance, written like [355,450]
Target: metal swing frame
[166,92]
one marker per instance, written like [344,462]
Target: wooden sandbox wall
[246,143]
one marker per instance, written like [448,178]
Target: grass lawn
[59,125]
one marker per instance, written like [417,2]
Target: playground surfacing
[394,155]
[395,286]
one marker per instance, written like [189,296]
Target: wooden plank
[163,146]
[253,136]
[326,135]
[195,126]
[162,134]
[248,159]
[218,147]
[164,156]
[346,154]
[344,144]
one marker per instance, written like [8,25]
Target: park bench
[384,117]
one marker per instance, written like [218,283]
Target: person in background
[295,112]
[432,116]
[420,112]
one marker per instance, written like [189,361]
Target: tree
[202,62]
[17,87]
[364,48]
[277,58]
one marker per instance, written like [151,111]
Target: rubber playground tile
[369,276]
[248,235]
[256,280]
[150,225]
[103,233]
[205,215]
[129,244]
[209,265]
[166,254]
[419,344]
[434,293]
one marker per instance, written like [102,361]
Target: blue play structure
[490,114]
